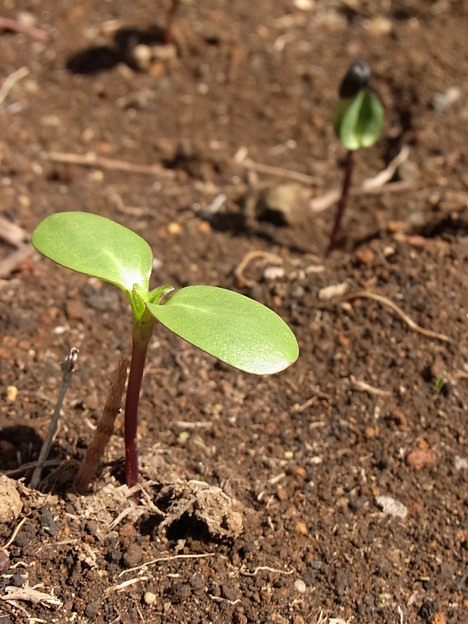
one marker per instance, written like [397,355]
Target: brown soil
[264,497]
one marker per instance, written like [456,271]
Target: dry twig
[429,333]
[30,594]
[11,233]
[14,534]
[9,264]
[124,585]
[279,172]
[377,184]
[91,160]
[362,386]
[11,80]
[6,23]
[68,368]
[164,559]
[258,569]
[251,255]
[105,428]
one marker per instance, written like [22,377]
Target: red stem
[141,336]
[349,166]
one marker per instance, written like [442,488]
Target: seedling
[439,384]
[357,121]
[170,19]
[225,324]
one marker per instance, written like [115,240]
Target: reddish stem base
[349,166]
[141,336]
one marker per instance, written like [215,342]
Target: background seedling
[357,121]
[225,324]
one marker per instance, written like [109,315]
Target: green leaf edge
[184,320]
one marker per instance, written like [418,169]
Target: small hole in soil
[187,526]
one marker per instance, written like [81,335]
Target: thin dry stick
[105,428]
[279,172]
[362,386]
[124,585]
[365,294]
[258,569]
[7,23]
[9,264]
[14,534]
[91,160]
[319,204]
[251,255]
[163,560]
[10,82]
[68,368]
[11,233]
[377,184]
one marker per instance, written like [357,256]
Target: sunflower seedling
[357,120]
[225,324]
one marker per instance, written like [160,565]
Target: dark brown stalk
[170,18]
[349,166]
[68,368]
[105,428]
[141,336]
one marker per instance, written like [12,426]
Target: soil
[333,492]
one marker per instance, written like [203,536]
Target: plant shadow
[97,59]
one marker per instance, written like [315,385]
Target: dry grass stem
[429,333]
[279,172]
[9,264]
[377,184]
[12,79]
[258,569]
[163,560]
[362,386]
[14,534]
[68,368]
[91,160]
[253,255]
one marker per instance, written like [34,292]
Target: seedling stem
[349,168]
[142,331]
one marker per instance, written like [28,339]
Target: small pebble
[273,273]
[281,493]
[91,610]
[300,586]
[11,394]
[441,101]
[335,290]
[391,506]
[301,528]
[149,598]
[365,256]
[174,228]
[419,459]
[127,530]
[461,463]
[11,504]
[140,57]
[133,556]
